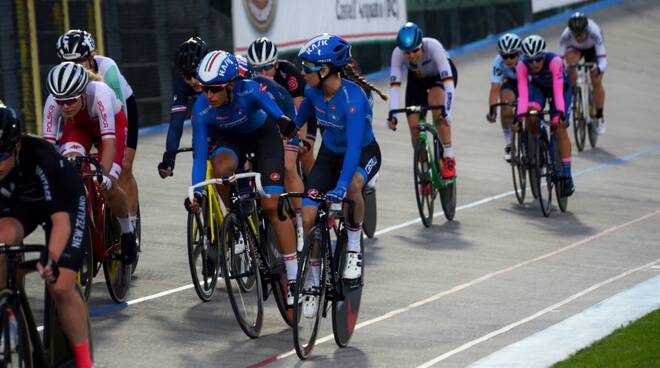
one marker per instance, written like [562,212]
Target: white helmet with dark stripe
[75,44]
[262,52]
[67,80]
[508,44]
[533,45]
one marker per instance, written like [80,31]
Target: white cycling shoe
[353,266]
[310,306]
[600,127]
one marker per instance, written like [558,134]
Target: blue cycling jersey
[346,123]
[501,71]
[279,94]
[245,113]
[182,93]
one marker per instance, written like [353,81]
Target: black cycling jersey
[41,184]
[183,95]
[289,77]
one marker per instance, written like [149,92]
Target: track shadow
[443,236]
[565,223]
[598,155]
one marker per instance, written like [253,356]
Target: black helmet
[10,128]
[577,23]
[75,44]
[189,54]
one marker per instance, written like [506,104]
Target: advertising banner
[290,23]
[541,5]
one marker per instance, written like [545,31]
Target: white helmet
[508,44]
[262,52]
[67,80]
[533,45]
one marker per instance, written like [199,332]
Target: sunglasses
[510,56]
[6,155]
[213,89]
[68,101]
[411,52]
[536,59]
[311,68]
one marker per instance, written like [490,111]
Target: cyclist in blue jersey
[186,87]
[242,119]
[349,155]
[503,85]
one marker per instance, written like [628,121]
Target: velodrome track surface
[493,267]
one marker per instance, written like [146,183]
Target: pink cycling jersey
[551,75]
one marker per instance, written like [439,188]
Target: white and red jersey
[434,62]
[594,40]
[99,112]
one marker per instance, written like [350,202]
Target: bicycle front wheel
[310,298]
[544,175]
[424,191]
[117,274]
[14,342]
[579,122]
[562,201]
[85,275]
[370,212]
[138,237]
[346,309]
[518,163]
[241,275]
[203,253]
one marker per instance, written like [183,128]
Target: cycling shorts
[417,90]
[328,165]
[538,96]
[266,143]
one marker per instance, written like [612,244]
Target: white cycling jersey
[101,106]
[594,39]
[434,62]
[109,70]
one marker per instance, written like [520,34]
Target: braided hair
[351,73]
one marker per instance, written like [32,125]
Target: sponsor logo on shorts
[275,176]
[370,165]
[79,230]
[313,192]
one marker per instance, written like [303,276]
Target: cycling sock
[599,113]
[83,359]
[354,235]
[448,151]
[507,136]
[291,264]
[315,269]
[566,166]
[126,224]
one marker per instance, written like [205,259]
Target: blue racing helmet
[217,67]
[326,49]
[410,37]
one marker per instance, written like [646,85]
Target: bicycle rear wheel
[242,277]
[579,122]
[279,282]
[203,253]
[544,175]
[345,310]
[370,212]
[310,298]
[117,274]
[534,180]
[424,192]
[518,163]
[15,348]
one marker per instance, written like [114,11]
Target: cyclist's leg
[536,102]
[508,93]
[416,94]
[70,306]
[226,157]
[292,180]
[12,232]
[323,178]
[127,179]
[572,57]
[596,82]
[563,140]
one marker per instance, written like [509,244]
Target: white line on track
[487,277]
[533,316]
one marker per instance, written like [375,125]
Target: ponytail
[356,77]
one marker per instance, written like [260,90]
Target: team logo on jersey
[275,176]
[351,109]
[263,87]
[292,83]
[260,13]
